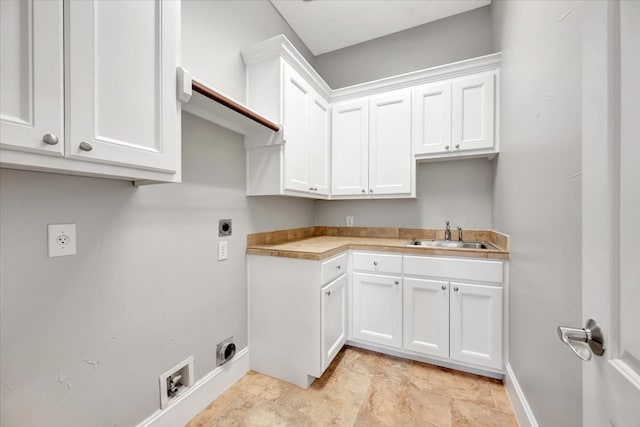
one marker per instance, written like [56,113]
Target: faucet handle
[459,233]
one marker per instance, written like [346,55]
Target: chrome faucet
[447,232]
[459,234]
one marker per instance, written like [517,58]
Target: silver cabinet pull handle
[328,293]
[50,139]
[444,288]
[363,190]
[397,282]
[446,147]
[455,288]
[375,262]
[458,146]
[590,338]
[338,267]
[371,190]
[85,146]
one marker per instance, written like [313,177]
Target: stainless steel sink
[451,244]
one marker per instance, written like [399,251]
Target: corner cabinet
[371,146]
[296,164]
[122,116]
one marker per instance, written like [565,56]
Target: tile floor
[363,388]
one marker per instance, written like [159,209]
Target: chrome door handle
[590,338]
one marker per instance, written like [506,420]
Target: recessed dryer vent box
[224,227]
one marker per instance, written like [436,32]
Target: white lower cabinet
[297,315]
[377,309]
[449,317]
[476,324]
[426,316]
[333,320]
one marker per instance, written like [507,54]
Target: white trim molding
[203,392]
[519,402]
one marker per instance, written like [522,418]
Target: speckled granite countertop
[316,243]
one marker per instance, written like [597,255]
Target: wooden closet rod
[215,96]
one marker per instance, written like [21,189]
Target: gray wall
[214,33]
[83,339]
[452,39]
[459,191]
[537,197]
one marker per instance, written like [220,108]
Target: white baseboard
[519,403]
[203,392]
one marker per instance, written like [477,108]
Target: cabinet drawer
[333,268]
[376,262]
[472,269]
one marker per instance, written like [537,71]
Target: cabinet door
[296,104]
[390,158]
[432,118]
[333,323]
[377,309]
[31,76]
[319,160]
[121,83]
[473,112]
[426,316]
[476,324]
[350,148]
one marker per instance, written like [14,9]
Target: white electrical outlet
[349,221]
[223,250]
[62,240]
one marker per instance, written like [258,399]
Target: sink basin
[450,244]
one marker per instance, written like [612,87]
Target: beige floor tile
[250,410]
[451,383]
[465,413]
[364,388]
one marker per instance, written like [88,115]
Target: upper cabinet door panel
[349,147]
[473,112]
[390,143]
[122,82]
[297,95]
[432,118]
[320,159]
[31,76]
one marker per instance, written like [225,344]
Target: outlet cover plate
[62,240]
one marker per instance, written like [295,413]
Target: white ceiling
[327,25]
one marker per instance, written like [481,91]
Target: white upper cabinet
[455,118]
[390,160]
[371,146]
[320,147]
[432,118]
[31,76]
[350,148]
[121,79]
[473,112]
[298,163]
[296,108]
[121,113]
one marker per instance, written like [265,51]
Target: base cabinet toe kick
[441,310]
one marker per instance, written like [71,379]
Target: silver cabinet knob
[338,267]
[446,147]
[50,139]
[375,262]
[444,288]
[328,293]
[458,146]
[85,146]
[455,288]
[363,190]
[397,282]
[371,190]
